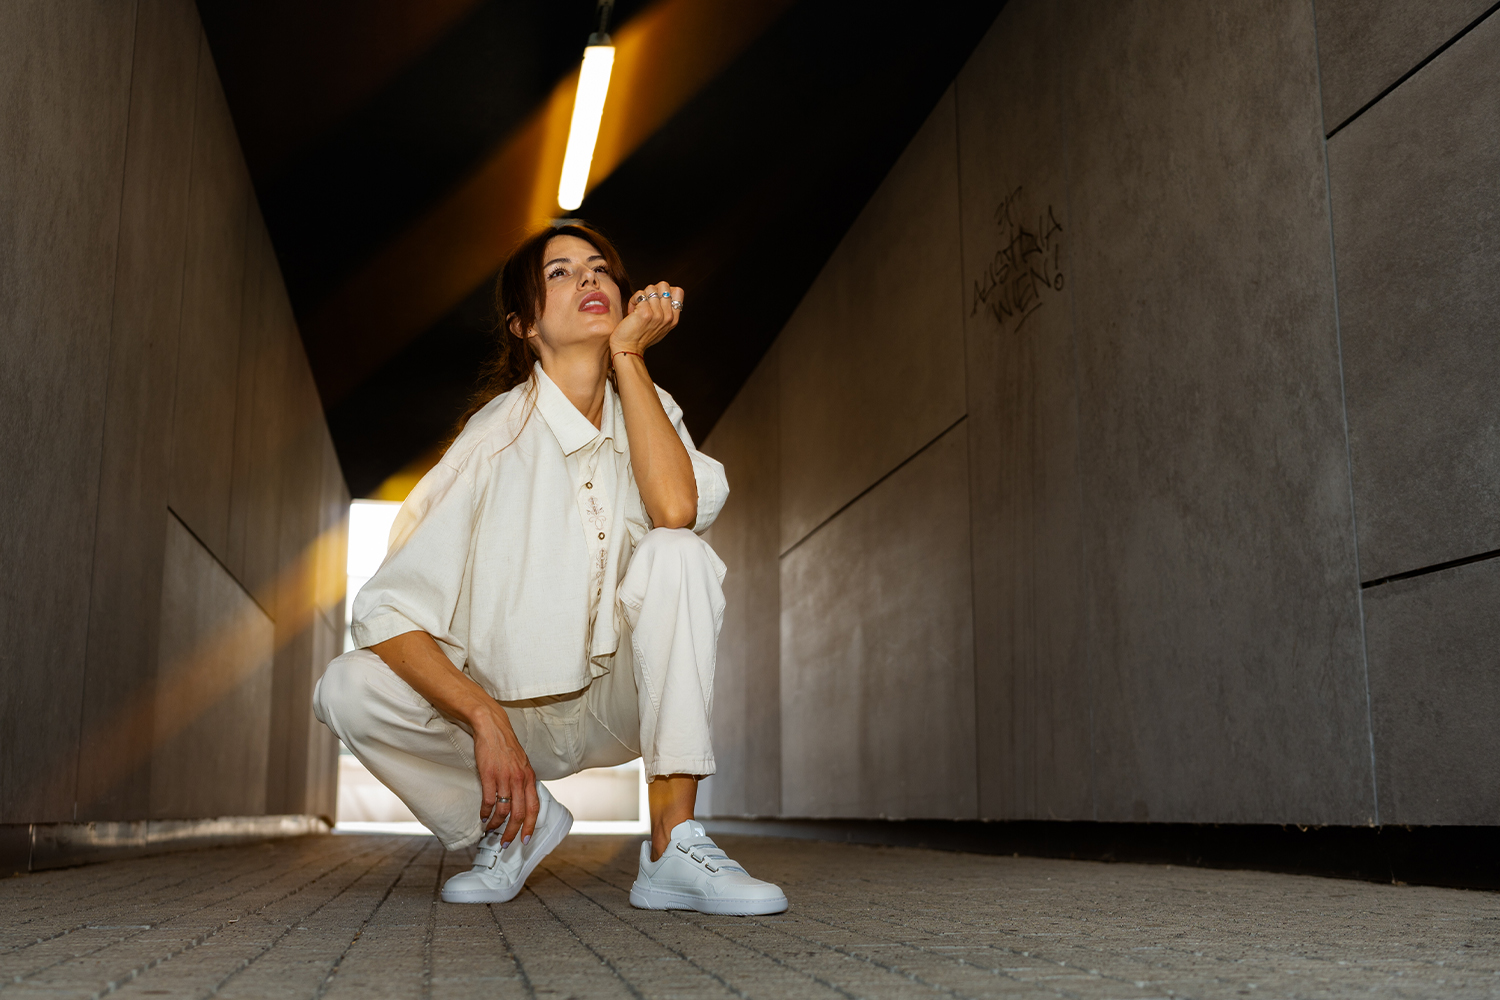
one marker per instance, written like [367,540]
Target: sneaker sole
[549,844]
[643,898]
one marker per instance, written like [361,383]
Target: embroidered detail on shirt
[595,513]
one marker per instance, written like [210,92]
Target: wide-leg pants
[656,702]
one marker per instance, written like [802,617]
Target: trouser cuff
[701,767]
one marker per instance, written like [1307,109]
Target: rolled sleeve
[381,624]
[420,584]
[713,489]
[708,473]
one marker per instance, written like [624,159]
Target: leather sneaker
[498,875]
[694,874]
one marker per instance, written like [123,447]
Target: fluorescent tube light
[588,109]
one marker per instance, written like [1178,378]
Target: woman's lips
[594,302]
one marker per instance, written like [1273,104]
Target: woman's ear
[514,322]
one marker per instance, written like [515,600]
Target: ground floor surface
[358,916]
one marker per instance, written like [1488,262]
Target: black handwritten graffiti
[1027,268]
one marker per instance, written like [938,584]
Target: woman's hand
[505,775]
[504,769]
[650,315]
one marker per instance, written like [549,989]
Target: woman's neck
[581,374]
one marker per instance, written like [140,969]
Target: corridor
[358,916]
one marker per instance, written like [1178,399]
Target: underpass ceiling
[400,148]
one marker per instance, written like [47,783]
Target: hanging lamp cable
[601,32]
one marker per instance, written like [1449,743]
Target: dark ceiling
[372,128]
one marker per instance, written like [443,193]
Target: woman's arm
[504,769]
[663,470]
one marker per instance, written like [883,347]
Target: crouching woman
[546,605]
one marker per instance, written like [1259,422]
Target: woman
[546,605]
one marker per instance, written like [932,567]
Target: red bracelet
[618,353]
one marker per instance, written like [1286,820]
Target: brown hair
[520,293]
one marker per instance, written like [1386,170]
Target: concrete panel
[1031,676]
[136,455]
[322,794]
[250,496]
[331,556]
[1222,601]
[1435,687]
[298,525]
[333,536]
[878,341]
[209,345]
[1416,206]
[213,689]
[1364,46]
[747,682]
[275,348]
[877,678]
[64,99]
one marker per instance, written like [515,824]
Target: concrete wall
[1076,486]
[173,532]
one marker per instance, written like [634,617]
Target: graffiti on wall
[1025,269]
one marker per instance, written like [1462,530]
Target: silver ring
[502,800]
[676,304]
[654,295]
[640,298]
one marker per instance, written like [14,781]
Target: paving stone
[360,916]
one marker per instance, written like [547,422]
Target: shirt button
[601,536]
[588,486]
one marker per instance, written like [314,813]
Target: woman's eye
[557,272]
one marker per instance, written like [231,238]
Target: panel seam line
[1429,570]
[1405,76]
[1338,340]
[861,494]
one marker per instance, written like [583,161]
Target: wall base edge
[1455,856]
[31,847]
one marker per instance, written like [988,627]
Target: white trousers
[656,702]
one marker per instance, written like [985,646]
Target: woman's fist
[650,315]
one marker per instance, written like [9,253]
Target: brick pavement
[358,917]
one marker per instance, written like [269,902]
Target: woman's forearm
[416,658]
[663,470]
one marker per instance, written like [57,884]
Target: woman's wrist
[485,713]
[615,353]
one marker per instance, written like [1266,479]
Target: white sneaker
[497,876]
[694,874]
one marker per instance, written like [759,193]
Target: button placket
[595,513]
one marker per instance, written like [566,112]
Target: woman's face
[583,301]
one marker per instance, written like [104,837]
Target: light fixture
[588,109]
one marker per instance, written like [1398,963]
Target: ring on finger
[676,304]
[502,799]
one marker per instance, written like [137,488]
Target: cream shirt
[509,551]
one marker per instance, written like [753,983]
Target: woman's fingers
[533,809]
[662,311]
[501,808]
[488,799]
[652,313]
[522,807]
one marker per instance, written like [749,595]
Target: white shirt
[509,550]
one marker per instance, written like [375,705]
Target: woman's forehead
[571,248]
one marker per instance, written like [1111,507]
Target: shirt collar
[571,428]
